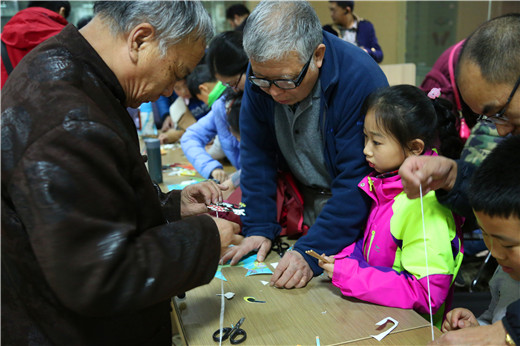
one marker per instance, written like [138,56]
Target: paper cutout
[228,295]
[257,268]
[380,336]
[264,282]
[219,274]
[274,265]
[245,261]
[253,300]
[183,184]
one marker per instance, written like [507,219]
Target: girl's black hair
[233,103]
[226,55]
[407,113]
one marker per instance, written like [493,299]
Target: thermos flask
[153,150]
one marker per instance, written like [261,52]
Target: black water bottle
[153,150]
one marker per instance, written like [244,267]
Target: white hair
[276,28]
[172,20]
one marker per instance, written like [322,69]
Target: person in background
[197,108]
[233,106]
[204,86]
[354,29]
[494,194]
[387,266]
[175,125]
[227,61]
[236,16]
[28,28]
[301,114]
[92,250]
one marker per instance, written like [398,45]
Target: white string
[222,306]
[426,256]
[222,303]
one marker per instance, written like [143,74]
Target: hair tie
[434,93]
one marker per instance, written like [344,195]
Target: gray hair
[276,28]
[172,20]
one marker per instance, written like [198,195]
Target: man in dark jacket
[30,27]
[301,113]
[92,251]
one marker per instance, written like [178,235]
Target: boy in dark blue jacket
[301,113]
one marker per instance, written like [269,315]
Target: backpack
[289,206]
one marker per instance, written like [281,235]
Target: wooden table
[291,317]
[176,155]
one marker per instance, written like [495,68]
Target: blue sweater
[194,140]
[347,76]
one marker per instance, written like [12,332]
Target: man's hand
[235,253]
[292,271]
[432,172]
[196,197]
[228,234]
[219,174]
[167,124]
[459,318]
[494,334]
[327,267]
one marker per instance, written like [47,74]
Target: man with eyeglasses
[488,79]
[301,113]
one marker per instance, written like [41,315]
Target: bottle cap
[152,143]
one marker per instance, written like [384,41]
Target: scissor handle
[225,334]
[238,336]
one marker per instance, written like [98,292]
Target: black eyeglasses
[499,118]
[285,84]
[234,85]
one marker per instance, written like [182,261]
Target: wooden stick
[315,255]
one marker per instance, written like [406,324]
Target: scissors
[280,247]
[235,334]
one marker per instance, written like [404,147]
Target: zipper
[370,244]
[371,184]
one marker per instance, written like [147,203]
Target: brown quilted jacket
[91,250]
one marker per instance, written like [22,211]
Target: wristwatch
[509,340]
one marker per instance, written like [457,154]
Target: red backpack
[289,206]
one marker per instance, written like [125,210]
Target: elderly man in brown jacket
[92,251]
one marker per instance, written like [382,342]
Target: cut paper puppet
[380,336]
[257,268]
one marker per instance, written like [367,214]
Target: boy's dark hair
[226,55]
[345,4]
[52,5]
[198,76]
[494,188]
[233,103]
[237,9]
[405,112]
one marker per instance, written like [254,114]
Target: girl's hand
[327,267]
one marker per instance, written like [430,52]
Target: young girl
[387,265]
